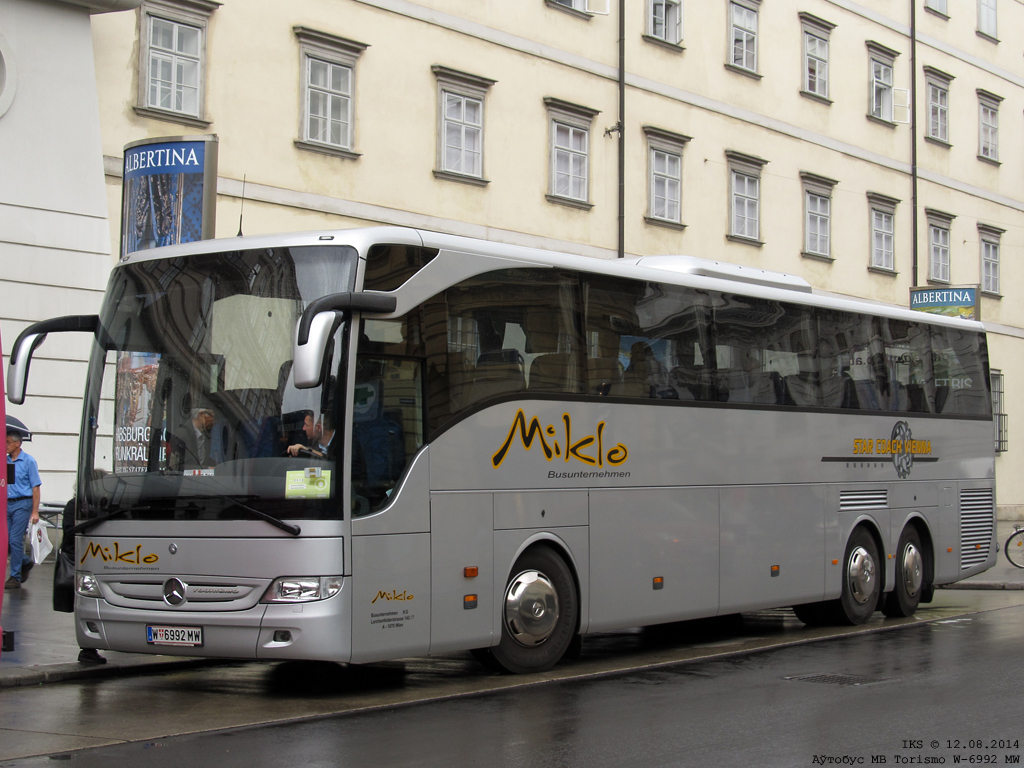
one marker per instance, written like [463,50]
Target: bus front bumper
[316,630]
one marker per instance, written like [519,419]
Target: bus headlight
[87,585]
[302,589]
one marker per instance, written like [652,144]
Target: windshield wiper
[86,525]
[294,530]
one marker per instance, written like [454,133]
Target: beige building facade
[822,138]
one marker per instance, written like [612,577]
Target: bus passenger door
[462,571]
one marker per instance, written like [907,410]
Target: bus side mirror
[314,330]
[30,339]
[308,358]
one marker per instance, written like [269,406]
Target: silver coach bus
[371,444]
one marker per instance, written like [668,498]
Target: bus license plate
[189,636]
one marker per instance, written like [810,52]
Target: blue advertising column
[3,489]
[169,192]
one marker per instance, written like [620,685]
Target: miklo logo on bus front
[128,556]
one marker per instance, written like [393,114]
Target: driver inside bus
[321,437]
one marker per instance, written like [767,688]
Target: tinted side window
[960,364]
[389,266]
[766,352]
[647,340]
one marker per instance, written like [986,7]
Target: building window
[570,152]
[1002,425]
[988,126]
[460,131]
[816,41]
[745,196]
[938,105]
[328,64]
[817,215]
[743,24]
[573,7]
[665,20]
[987,19]
[939,224]
[939,6]
[882,210]
[989,237]
[881,60]
[665,174]
[172,61]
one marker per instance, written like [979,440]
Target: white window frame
[463,86]
[817,33]
[989,238]
[578,8]
[749,9]
[576,120]
[666,25]
[882,226]
[988,20]
[881,83]
[988,126]
[937,83]
[186,13]
[940,226]
[332,50]
[745,197]
[817,208]
[937,6]
[670,145]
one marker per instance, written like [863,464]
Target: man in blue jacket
[22,503]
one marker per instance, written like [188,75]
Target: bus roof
[681,270]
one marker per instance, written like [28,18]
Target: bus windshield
[191,412]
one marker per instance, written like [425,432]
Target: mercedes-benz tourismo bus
[371,444]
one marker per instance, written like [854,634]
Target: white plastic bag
[41,544]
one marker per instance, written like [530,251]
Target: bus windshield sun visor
[376,303]
[29,339]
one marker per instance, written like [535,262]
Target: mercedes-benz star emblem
[174,592]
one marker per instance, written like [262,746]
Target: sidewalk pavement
[46,651]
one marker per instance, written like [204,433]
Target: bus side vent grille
[858,500]
[977,521]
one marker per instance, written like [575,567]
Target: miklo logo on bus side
[588,449]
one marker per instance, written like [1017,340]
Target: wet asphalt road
[946,689]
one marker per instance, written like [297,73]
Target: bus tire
[812,614]
[910,571]
[861,579]
[540,612]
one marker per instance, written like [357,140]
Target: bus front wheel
[539,613]
[906,594]
[861,579]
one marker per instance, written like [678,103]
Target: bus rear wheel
[910,570]
[861,582]
[539,613]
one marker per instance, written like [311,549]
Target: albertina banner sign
[953,301]
[169,192]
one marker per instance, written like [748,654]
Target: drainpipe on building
[913,131]
[622,128]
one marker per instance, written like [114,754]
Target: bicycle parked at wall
[1015,547]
